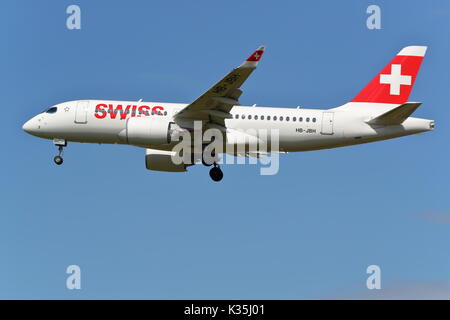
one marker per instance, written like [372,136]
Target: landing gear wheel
[216,174]
[60,143]
[58,160]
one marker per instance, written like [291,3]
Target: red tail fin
[394,83]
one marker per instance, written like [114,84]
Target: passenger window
[262,117]
[249,116]
[300,119]
[165,113]
[268,117]
[294,119]
[314,119]
[307,119]
[281,118]
[256,117]
[287,118]
[236,116]
[275,118]
[243,117]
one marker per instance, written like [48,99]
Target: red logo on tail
[395,82]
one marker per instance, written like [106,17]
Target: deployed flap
[396,115]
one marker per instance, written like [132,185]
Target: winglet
[253,59]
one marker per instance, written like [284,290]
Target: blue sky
[308,232]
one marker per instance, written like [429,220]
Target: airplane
[380,111]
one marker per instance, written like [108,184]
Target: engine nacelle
[160,160]
[146,131]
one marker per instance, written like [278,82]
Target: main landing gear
[216,173]
[60,143]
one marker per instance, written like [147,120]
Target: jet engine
[160,160]
[146,131]
[150,131]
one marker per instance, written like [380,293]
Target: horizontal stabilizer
[396,115]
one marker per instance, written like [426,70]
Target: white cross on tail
[395,79]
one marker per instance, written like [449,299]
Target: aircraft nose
[29,126]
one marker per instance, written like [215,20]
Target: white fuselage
[299,129]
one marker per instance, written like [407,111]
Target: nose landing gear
[61,143]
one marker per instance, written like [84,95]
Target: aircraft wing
[214,105]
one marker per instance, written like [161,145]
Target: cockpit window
[51,110]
